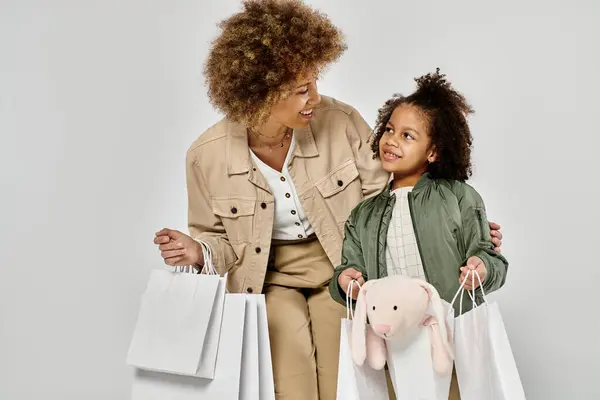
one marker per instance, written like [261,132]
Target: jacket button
[257,250]
[282,179]
[249,290]
[288,195]
[263,205]
[340,183]
[233,210]
[293,212]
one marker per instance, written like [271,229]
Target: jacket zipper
[412,218]
[381,270]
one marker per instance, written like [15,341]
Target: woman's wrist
[199,249]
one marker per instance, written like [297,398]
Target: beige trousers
[304,321]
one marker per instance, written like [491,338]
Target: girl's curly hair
[446,111]
[262,51]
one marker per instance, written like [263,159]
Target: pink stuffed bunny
[395,306]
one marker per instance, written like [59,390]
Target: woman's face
[295,109]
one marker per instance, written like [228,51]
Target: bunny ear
[439,314]
[359,326]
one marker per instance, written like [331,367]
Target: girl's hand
[178,249]
[348,275]
[473,264]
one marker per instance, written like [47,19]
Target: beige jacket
[231,207]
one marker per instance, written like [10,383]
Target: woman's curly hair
[446,111]
[262,51]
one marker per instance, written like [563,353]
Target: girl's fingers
[468,284]
[462,278]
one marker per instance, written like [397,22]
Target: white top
[289,222]
[402,253]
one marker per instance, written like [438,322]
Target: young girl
[430,224]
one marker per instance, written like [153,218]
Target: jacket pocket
[237,216]
[338,179]
[484,228]
[341,190]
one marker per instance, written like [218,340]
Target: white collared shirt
[402,252]
[290,222]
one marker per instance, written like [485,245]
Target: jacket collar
[238,152]
[423,182]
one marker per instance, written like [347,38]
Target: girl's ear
[432,155]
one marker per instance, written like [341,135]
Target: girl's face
[295,109]
[405,147]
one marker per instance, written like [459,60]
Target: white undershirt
[290,222]
[402,253]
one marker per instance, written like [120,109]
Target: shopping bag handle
[209,267]
[349,310]
[471,292]
[184,269]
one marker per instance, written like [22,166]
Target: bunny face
[395,306]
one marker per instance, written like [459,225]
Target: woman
[271,185]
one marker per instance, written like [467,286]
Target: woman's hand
[496,236]
[473,264]
[178,249]
[348,275]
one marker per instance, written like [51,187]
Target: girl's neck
[405,181]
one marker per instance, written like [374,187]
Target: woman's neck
[269,133]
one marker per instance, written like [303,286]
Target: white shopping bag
[249,381]
[179,323]
[265,365]
[208,358]
[411,367]
[356,382]
[256,378]
[485,365]
[150,385]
